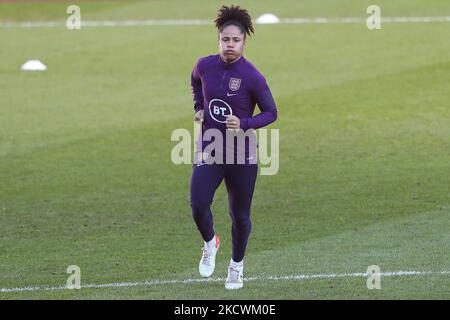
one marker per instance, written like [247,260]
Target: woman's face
[231,43]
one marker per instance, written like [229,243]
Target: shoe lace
[206,258]
[233,274]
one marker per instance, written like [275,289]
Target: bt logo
[218,109]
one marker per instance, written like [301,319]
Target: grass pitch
[86,177]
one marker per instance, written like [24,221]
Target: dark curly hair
[236,16]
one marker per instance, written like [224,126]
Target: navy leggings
[240,182]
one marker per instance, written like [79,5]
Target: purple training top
[221,89]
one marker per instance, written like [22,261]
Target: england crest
[234,84]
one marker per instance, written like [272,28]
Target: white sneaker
[235,276]
[208,260]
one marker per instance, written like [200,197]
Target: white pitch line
[297,277]
[187,22]
[364,20]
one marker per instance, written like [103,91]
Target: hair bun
[234,14]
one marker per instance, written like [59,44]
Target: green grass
[205,9]
[86,176]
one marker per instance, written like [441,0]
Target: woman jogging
[226,88]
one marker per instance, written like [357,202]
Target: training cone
[267,18]
[33,65]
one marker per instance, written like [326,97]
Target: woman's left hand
[233,122]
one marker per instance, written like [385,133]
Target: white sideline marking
[297,277]
[186,22]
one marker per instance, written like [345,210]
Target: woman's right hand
[199,116]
